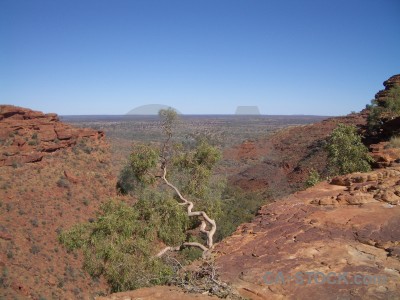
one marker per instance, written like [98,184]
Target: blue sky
[200,56]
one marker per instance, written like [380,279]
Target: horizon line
[233,114]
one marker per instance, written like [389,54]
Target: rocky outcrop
[391,123]
[59,177]
[384,155]
[350,226]
[393,81]
[27,135]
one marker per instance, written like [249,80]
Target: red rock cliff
[27,135]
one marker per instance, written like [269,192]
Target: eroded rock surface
[351,225]
[384,155]
[388,84]
[27,135]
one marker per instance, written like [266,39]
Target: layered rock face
[393,81]
[382,154]
[27,135]
[350,227]
[391,126]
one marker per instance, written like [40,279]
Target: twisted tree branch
[177,248]
[210,233]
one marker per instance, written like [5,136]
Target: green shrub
[33,142]
[346,152]
[142,160]
[128,181]
[238,207]
[121,243]
[165,215]
[313,178]
[196,166]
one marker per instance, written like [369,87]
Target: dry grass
[34,207]
[394,142]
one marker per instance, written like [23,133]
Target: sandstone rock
[64,133]
[388,196]
[350,179]
[70,177]
[27,135]
[341,180]
[32,157]
[325,201]
[19,141]
[305,232]
[355,199]
[390,83]
[47,133]
[53,147]
[5,236]
[383,155]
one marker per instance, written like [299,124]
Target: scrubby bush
[313,178]
[346,152]
[142,159]
[127,181]
[120,243]
[83,146]
[238,206]
[195,167]
[63,182]
[137,172]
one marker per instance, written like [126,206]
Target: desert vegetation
[384,109]
[141,218]
[346,152]
[313,178]
[181,204]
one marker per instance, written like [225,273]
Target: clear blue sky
[200,56]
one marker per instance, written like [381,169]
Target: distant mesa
[150,109]
[247,110]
